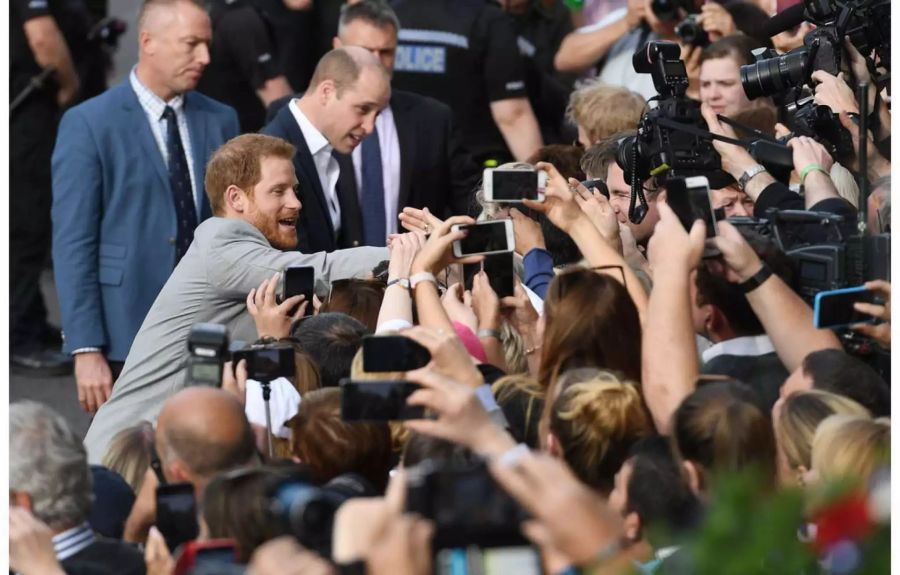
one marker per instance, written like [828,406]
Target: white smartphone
[512,186]
[691,199]
[492,237]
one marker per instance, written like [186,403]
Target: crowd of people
[642,377]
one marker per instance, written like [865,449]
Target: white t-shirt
[284,403]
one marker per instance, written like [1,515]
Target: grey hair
[376,12]
[47,461]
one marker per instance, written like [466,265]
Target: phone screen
[488,561]
[378,401]
[499,270]
[514,185]
[176,513]
[299,280]
[485,237]
[216,556]
[835,308]
[690,199]
[393,353]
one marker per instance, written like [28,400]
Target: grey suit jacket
[227,259]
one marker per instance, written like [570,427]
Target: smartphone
[176,514]
[512,186]
[499,270]
[383,400]
[835,308]
[393,353]
[208,554]
[691,200]
[598,185]
[492,237]
[298,280]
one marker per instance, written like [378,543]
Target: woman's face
[720,86]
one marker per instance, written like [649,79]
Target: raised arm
[583,48]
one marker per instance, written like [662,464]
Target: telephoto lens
[769,76]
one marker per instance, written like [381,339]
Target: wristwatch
[749,174]
[402,282]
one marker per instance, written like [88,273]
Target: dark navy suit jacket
[113,214]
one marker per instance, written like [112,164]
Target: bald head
[205,429]
[343,67]
[157,15]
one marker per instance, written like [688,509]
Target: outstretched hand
[272,319]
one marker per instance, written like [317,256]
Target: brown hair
[566,159]
[720,427]
[358,298]
[331,447]
[238,162]
[596,422]
[737,46]
[602,110]
[596,160]
[591,321]
[800,415]
[128,453]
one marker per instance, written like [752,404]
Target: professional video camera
[787,77]
[306,511]
[672,139]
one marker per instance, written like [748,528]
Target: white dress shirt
[390,167]
[153,107]
[326,166]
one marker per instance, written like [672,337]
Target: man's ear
[632,527]
[20,499]
[236,198]
[336,43]
[694,477]
[325,91]
[177,472]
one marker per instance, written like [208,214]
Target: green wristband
[812,168]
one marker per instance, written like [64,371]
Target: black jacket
[435,171]
[106,556]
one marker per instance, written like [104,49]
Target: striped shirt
[154,107]
[73,541]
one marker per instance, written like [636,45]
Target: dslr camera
[208,347]
[465,503]
[267,362]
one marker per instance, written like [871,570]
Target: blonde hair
[128,453]
[603,110]
[851,447]
[596,423]
[489,209]
[801,413]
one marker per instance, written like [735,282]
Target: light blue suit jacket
[114,223]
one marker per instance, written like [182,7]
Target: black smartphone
[383,400]
[499,270]
[598,185]
[176,513]
[691,200]
[835,308]
[491,237]
[393,353]
[298,280]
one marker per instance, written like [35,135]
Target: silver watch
[749,174]
[403,282]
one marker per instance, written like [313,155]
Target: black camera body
[667,10]
[267,362]
[806,118]
[661,149]
[306,511]
[208,347]
[465,503]
[691,32]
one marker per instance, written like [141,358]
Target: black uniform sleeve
[249,45]
[504,74]
[29,9]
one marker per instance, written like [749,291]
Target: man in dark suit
[49,479]
[128,172]
[414,158]
[347,92]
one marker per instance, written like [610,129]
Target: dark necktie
[374,230]
[180,180]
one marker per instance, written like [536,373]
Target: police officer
[43,80]
[464,53]
[244,71]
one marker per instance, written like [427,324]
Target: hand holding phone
[298,280]
[176,513]
[491,237]
[835,308]
[383,400]
[512,186]
[499,270]
[691,199]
